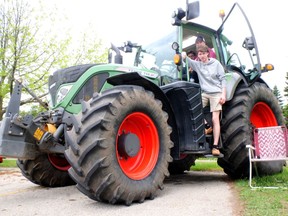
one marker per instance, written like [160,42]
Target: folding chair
[270,144]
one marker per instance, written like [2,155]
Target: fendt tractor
[117,130]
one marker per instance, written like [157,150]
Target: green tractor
[118,130]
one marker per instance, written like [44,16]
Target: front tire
[120,146]
[254,106]
[48,170]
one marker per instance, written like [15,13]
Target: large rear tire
[119,147]
[254,106]
[48,170]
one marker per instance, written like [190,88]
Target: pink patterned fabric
[271,142]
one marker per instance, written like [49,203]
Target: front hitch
[14,141]
[24,138]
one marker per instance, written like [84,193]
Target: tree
[285,114]
[29,52]
[24,55]
[90,50]
[277,93]
[285,108]
[286,88]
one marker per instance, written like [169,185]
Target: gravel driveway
[194,193]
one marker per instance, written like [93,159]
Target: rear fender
[232,81]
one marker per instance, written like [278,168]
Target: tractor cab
[233,42]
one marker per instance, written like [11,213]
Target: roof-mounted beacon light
[222,14]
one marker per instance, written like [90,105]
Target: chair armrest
[250,146]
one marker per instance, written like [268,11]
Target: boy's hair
[202,48]
[191,52]
[199,39]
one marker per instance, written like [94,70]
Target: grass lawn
[8,162]
[265,201]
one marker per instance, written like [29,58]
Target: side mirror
[193,10]
[248,43]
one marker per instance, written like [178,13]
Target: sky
[141,20]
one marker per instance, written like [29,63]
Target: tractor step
[213,156]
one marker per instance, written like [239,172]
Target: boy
[213,85]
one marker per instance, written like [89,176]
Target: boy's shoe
[215,151]
[208,130]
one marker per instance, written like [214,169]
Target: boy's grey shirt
[211,75]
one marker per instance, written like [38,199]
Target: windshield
[238,41]
[164,54]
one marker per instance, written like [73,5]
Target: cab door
[238,45]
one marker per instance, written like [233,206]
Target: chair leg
[250,169]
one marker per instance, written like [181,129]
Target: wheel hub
[128,145]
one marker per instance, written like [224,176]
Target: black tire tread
[41,172]
[237,130]
[95,167]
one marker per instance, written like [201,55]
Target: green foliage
[33,110]
[90,50]
[26,52]
[31,52]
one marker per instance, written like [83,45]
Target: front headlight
[62,92]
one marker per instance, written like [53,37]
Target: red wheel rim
[262,116]
[59,162]
[141,165]
[182,156]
